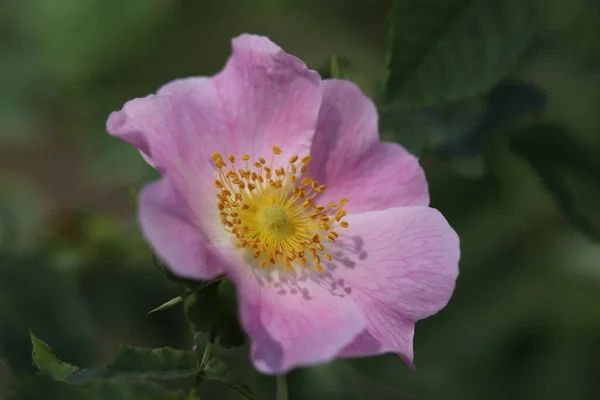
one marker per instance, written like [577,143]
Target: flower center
[272,211]
[274,220]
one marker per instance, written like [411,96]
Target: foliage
[131,375]
[450,50]
[569,171]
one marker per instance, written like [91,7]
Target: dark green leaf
[201,308]
[466,127]
[40,388]
[47,362]
[569,171]
[410,129]
[461,131]
[444,51]
[131,358]
[215,307]
[134,362]
[228,328]
[217,370]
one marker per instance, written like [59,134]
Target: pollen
[272,212]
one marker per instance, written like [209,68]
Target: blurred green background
[515,168]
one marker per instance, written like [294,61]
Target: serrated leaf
[131,358]
[568,170]
[216,370]
[444,51]
[47,362]
[139,363]
[46,389]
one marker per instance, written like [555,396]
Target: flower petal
[400,265]
[349,158]
[169,226]
[273,98]
[262,97]
[293,321]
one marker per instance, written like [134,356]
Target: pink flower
[278,180]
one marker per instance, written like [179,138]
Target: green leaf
[47,362]
[139,363]
[42,388]
[228,327]
[568,170]
[466,127]
[168,304]
[216,370]
[201,308]
[443,51]
[131,358]
[215,307]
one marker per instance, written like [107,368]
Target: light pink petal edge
[349,158]
[169,226]
[400,266]
[292,320]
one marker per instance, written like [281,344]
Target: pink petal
[400,265]
[168,225]
[292,320]
[262,97]
[349,158]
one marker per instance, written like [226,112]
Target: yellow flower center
[272,212]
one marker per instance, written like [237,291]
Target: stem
[206,356]
[282,389]
[208,348]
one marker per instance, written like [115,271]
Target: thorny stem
[282,389]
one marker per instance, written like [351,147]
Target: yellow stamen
[272,213]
